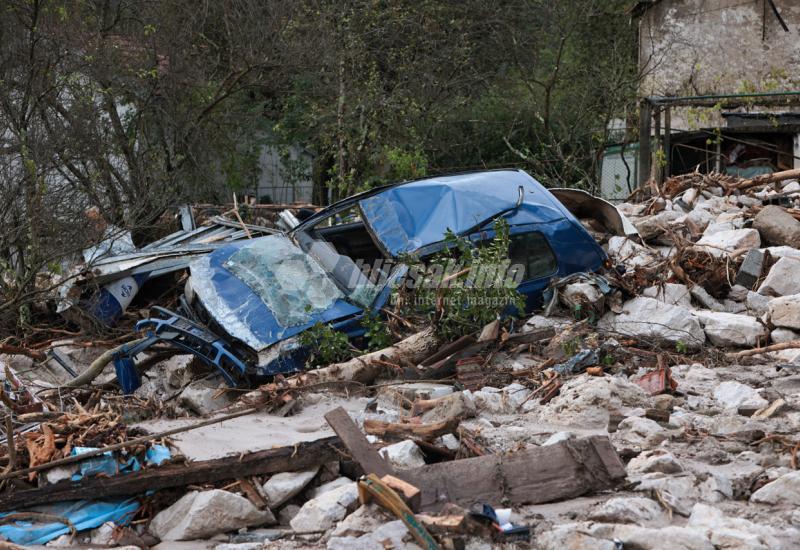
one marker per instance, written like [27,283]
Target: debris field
[655,404]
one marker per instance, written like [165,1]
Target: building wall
[696,47]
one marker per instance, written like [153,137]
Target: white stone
[718,227]
[558,437]
[783,278]
[629,510]
[536,322]
[321,513]
[202,514]
[656,460]
[785,311]
[731,329]
[283,486]
[104,535]
[729,532]
[732,395]
[449,442]
[630,253]
[726,242]
[784,490]
[783,251]
[645,317]
[202,399]
[678,491]
[329,486]
[670,293]
[404,455]
[782,335]
[757,304]
[393,534]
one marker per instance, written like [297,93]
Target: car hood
[266,290]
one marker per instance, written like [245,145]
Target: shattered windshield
[291,284]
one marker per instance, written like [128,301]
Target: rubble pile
[653,406]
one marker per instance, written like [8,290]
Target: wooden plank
[544,474]
[356,443]
[283,459]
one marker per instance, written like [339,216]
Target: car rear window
[533,252]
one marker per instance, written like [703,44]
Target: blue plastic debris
[83,514]
[578,362]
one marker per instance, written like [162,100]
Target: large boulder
[730,329]
[777,227]
[784,490]
[785,311]
[729,241]
[670,293]
[648,318]
[732,395]
[783,278]
[202,514]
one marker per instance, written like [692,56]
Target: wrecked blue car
[248,301]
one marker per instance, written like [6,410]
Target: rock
[287,513]
[501,401]
[610,536]
[781,335]
[645,317]
[705,299]
[329,486]
[629,510]
[449,442]
[670,293]
[393,534]
[367,518]
[322,512]
[656,460]
[750,270]
[404,455]
[785,311]
[630,253]
[728,532]
[582,294]
[777,226]
[784,490]
[586,401]
[535,322]
[678,491]
[639,432]
[283,486]
[783,278]
[423,390]
[726,242]
[730,329]
[240,546]
[558,437]
[104,535]
[652,227]
[757,304]
[202,514]
[732,395]
[199,398]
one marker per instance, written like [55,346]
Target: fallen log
[768,178]
[365,368]
[283,459]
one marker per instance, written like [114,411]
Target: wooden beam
[283,459]
[645,155]
[544,474]
[357,445]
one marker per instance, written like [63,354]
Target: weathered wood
[283,459]
[410,494]
[356,444]
[403,430]
[544,474]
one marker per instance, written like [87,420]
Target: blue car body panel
[409,217]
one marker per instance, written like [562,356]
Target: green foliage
[326,345]
[377,335]
[464,287]
[571,347]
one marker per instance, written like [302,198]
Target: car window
[349,215]
[533,253]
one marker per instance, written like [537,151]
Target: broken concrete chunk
[731,329]
[757,304]
[727,242]
[628,252]
[783,278]
[777,226]
[329,486]
[321,513]
[648,318]
[732,395]
[785,311]
[283,486]
[404,455]
[201,514]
